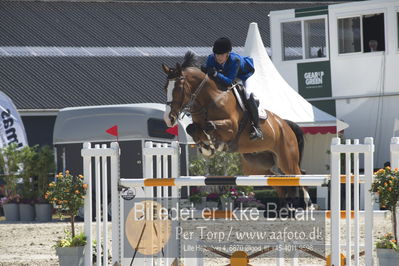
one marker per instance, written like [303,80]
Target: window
[313,45]
[361,34]
[397,20]
[315,38]
[157,129]
[349,35]
[292,40]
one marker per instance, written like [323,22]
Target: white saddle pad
[262,112]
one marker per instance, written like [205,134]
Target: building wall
[367,75]
[364,85]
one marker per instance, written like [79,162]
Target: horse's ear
[178,67]
[165,68]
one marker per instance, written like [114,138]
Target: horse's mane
[190,60]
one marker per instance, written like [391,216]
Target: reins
[187,109]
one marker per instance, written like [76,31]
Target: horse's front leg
[202,139]
[195,131]
[222,130]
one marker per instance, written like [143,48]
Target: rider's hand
[204,69]
[211,71]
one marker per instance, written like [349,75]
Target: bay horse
[219,123]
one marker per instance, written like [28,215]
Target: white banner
[11,127]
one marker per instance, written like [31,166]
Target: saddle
[239,93]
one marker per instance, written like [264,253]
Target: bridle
[187,108]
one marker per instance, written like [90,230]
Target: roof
[54,82]
[80,124]
[82,23]
[58,82]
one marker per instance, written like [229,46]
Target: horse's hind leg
[288,162]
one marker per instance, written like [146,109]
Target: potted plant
[10,165]
[11,207]
[44,166]
[67,192]
[386,185]
[228,198]
[197,197]
[27,156]
[249,201]
[212,200]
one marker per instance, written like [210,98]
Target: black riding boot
[256,132]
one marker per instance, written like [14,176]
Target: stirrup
[255,134]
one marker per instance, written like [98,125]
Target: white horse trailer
[344,59]
[137,123]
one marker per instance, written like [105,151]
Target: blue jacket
[236,66]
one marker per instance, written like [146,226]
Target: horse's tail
[299,137]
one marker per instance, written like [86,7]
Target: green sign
[314,81]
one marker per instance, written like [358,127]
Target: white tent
[277,96]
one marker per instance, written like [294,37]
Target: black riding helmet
[222,45]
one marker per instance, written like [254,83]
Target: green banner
[314,81]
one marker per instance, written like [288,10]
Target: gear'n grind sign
[314,81]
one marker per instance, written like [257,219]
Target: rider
[227,67]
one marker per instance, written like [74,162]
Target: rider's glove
[211,71]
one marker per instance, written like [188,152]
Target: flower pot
[11,211]
[200,206]
[71,256]
[185,203]
[212,204]
[26,212]
[44,212]
[387,257]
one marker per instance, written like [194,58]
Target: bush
[221,164]
[386,185]
[266,196]
[67,193]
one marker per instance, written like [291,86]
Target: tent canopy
[277,96]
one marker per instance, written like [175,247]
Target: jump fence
[161,179]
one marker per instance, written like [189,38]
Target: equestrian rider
[227,68]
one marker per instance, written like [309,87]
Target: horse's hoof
[207,151]
[209,127]
[191,129]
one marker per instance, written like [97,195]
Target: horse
[220,124]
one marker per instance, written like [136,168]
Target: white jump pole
[88,205]
[368,208]
[395,152]
[335,201]
[115,205]
[394,147]
[356,237]
[348,204]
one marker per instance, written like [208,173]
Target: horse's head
[177,94]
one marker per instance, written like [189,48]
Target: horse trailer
[137,123]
